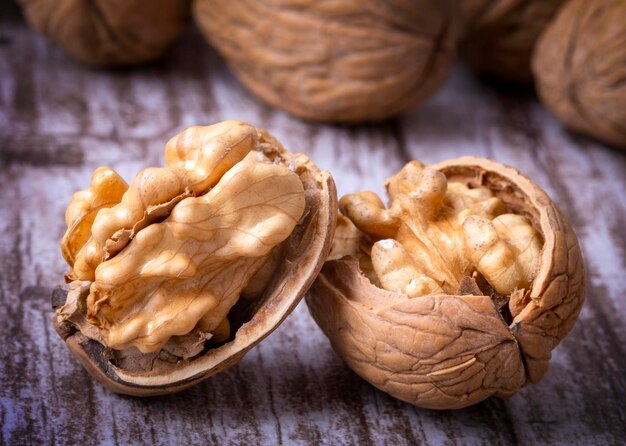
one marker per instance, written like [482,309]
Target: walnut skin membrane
[456,291]
[157,267]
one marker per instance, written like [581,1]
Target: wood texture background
[59,121]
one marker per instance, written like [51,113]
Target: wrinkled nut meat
[457,291]
[157,267]
[499,35]
[104,33]
[580,68]
[337,61]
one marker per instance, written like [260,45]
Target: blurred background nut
[105,33]
[580,68]
[499,35]
[158,266]
[457,291]
[335,60]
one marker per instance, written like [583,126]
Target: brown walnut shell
[340,61]
[451,351]
[301,258]
[580,68]
[111,32]
[500,35]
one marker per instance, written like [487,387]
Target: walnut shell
[500,35]
[339,61]
[445,351]
[139,368]
[112,32]
[580,68]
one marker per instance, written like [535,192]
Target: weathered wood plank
[58,121]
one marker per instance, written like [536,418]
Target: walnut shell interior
[446,351]
[132,372]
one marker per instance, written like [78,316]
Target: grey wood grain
[59,120]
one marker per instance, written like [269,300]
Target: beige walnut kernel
[195,160]
[154,294]
[195,264]
[106,190]
[457,291]
[431,221]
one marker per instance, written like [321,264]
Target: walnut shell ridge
[111,32]
[580,68]
[452,351]
[336,61]
[499,35]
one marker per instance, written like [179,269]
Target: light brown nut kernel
[397,272]
[510,278]
[198,261]
[505,250]
[163,310]
[340,60]
[105,190]
[580,68]
[104,33]
[425,218]
[499,35]
[195,160]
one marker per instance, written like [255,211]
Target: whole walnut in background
[339,60]
[580,68]
[499,35]
[109,32]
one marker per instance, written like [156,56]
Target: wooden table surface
[59,121]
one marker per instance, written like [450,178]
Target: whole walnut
[335,60]
[580,68]
[499,35]
[458,290]
[105,33]
[175,276]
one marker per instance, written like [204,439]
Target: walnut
[111,32]
[158,266]
[500,35]
[457,291]
[580,68]
[339,61]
